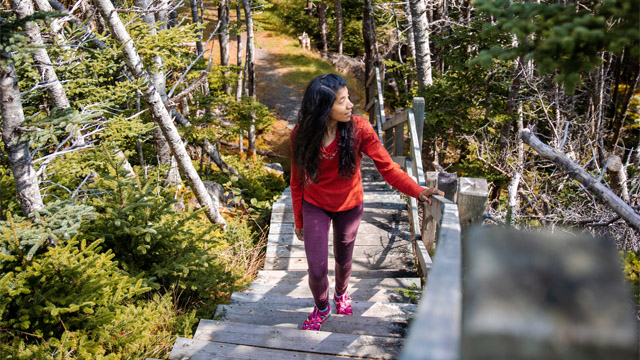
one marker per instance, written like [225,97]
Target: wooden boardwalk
[262,322]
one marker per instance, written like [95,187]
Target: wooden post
[472,200]
[534,296]
[418,112]
[389,140]
[447,182]
[432,179]
[399,140]
[417,242]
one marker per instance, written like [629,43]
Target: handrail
[435,334]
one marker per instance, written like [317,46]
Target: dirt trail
[272,89]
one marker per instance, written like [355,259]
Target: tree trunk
[24,8]
[621,116]
[575,171]
[223,37]
[339,26]
[251,72]
[322,23]
[158,110]
[239,54]
[196,20]
[411,45]
[370,54]
[16,148]
[163,151]
[618,177]
[421,37]
[513,207]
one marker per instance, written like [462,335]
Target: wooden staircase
[262,322]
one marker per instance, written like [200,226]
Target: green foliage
[631,271]
[14,44]
[58,221]
[413,293]
[562,39]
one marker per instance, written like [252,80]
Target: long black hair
[312,125]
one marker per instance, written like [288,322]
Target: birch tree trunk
[322,23]
[195,20]
[421,37]
[339,26]
[22,9]
[239,56]
[158,110]
[411,45]
[223,37]
[251,72]
[163,151]
[16,148]
[513,207]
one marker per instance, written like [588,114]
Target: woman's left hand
[426,194]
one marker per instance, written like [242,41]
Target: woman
[326,186]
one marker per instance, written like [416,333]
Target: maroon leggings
[316,247]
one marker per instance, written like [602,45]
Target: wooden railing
[436,330]
[502,313]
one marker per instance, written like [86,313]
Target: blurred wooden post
[432,179]
[534,296]
[472,201]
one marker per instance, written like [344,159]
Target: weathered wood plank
[190,349]
[301,276]
[539,296]
[372,211]
[363,238]
[362,346]
[448,183]
[288,284]
[359,325]
[257,291]
[397,119]
[472,200]
[294,303]
[359,263]
[380,228]
[435,334]
[368,251]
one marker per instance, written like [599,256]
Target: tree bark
[251,72]
[239,55]
[22,9]
[339,26]
[603,193]
[158,110]
[618,177]
[411,45]
[421,37]
[17,149]
[223,37]
[322,23]
[513,207]
[371,59]
[196,20]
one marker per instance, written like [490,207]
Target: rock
[275,168]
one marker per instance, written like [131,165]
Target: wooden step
[362,239]
[358,264]
[389,213]
[258,290]
[376,228]
[359,250]
[294,303]
[193,349]
[394,325]
[301,276]
[361,346]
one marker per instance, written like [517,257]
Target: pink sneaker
[343,304]
[316,318]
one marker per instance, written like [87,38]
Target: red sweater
[333,192]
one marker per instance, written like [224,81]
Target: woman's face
[342,106]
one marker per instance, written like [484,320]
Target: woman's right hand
[300,234]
